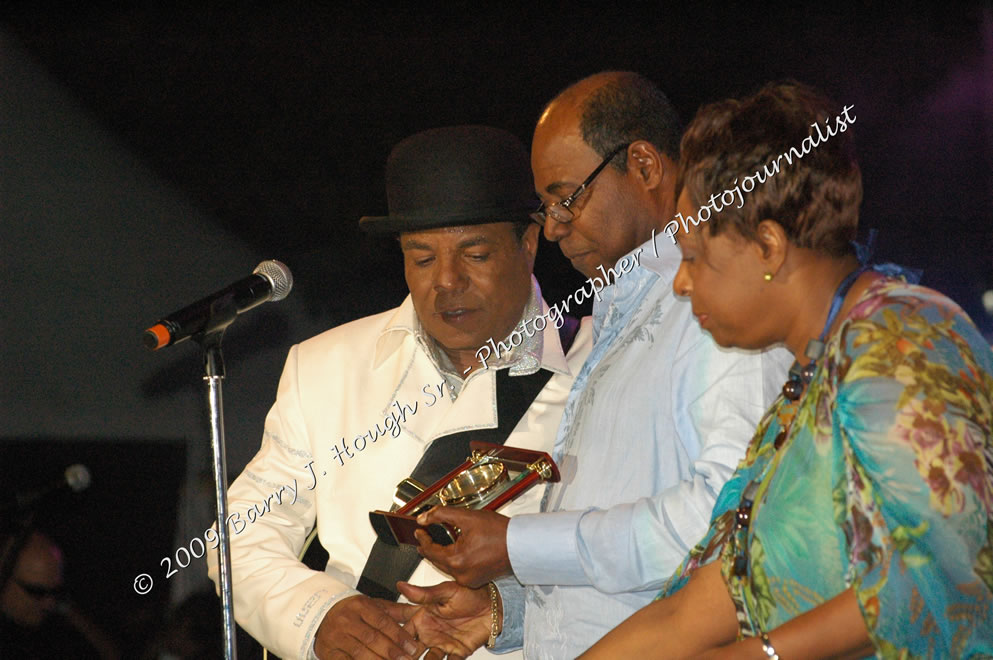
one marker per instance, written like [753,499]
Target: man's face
[611,215]
[29,595]
[469,283]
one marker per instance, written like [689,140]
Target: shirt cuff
[511,635]
[318,619]
[544,549]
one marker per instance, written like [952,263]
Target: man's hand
[363,628]
[453,618]
[479,555]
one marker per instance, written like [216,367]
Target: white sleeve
[277,599]
[635,546]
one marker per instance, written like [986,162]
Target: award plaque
[492,476]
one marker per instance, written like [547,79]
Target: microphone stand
[223,312]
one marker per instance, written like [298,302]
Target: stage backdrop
[95,248]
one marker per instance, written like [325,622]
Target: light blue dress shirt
[656,422]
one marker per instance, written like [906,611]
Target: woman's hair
[806,178]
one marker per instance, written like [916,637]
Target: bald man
[659,415]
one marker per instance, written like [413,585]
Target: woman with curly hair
[860,521]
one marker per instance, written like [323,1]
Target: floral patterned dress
[884,483]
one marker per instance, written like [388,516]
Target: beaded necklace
[793,390]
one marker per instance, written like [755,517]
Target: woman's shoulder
[893,295]
[893,307]
[914,334]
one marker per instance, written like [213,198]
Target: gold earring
[767,277]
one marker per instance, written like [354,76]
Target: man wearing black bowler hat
[365,405]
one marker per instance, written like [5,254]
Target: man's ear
[771,243]
[646,163]
[529,241]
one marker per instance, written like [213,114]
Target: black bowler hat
[458,175]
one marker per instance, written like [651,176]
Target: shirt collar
[542,350]
[662,257]
[658,260]
[523,359]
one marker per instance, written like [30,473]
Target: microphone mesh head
[278,275]
[78,477]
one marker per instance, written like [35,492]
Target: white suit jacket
[356,408]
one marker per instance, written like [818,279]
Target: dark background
[276,122]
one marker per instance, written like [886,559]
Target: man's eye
[424,261]
[479,257]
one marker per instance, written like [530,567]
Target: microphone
[76,478]
[271,280]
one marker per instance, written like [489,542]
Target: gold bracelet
[768,648]
[495,627]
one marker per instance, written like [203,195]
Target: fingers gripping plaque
[492,476]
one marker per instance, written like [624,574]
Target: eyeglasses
[38,591]
[559,211]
